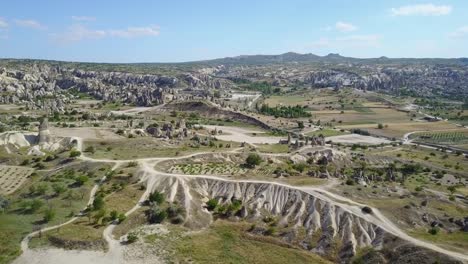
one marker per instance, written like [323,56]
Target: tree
[253,160]
[58,188]
[452,189]
[300,167]
[300,124]
[114,215]
[49,215]
[433,231]
[99,215]
[121,217]
[156,197]
[41,189]
[156,215]
[82,179]
[75,153]
[98,202]
[4,204]
[211,204]
[90,149]
[380,126]
[31,206]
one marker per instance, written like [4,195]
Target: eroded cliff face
[419,79]
[308,221]
[46,87]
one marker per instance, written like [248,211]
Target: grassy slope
[225,242]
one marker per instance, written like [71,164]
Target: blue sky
[173,31]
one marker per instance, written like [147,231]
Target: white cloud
[345,27]
[3,23]
[29,24]
[422,10]
[460,32]
[83,18]
[132,32]
[78,32]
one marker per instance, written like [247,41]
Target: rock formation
[323,222]
[44,136]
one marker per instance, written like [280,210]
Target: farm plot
[458,137]
[208,168]
[11,178]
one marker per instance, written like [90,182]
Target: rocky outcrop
[16,139]
[424,79]
[44,136]
[314,223]
[44,86]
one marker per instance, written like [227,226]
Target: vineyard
[446,137]
[208,169]
[11,177]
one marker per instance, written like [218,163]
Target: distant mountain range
[292,57]
[289,57]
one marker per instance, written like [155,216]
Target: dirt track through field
[147,166]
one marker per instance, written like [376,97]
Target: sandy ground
[136,110]
[7,107]
[60,256]
[236,96]
[119,254]
[84,133]
[238,134]
[358,139]
[88,102]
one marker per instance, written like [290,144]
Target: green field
[457,137]
[20,218]
[327,133]
[227,242]
[147,147]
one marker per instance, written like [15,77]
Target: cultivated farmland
[454,137]
[11,177]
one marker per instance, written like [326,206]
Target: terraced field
[458,137]
[11,178]
[207,168]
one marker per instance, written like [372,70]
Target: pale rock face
[27,83]
[35,151]
[297,158]
[291,207]
[14,138]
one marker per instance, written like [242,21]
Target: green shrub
[211,204]
[75,153]
[132,237]
[434,231]
[156,197]
[253,160]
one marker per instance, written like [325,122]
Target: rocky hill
[50,84]
[308,220]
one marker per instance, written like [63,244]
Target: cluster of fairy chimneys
[302,140]
[168,130]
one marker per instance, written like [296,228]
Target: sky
[177,30]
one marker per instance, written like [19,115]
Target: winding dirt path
[147,165]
